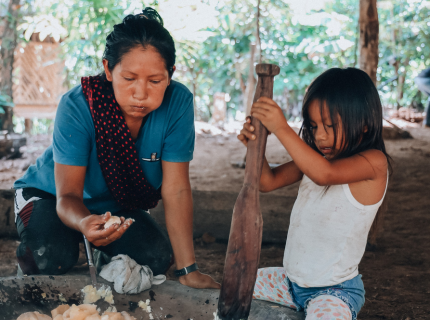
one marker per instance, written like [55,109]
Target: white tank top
[327,235]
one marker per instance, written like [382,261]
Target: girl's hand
[270,114]
[199,280]
[247,132]
[92,227]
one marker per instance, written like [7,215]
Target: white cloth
[128,276]
[327,235]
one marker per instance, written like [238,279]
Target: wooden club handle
[256,148]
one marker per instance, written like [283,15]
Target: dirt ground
[396,273]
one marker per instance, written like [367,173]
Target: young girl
[343,167]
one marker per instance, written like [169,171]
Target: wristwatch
[186,270]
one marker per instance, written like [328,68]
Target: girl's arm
[178,208]
[367,165]
[284,175]
[271,179]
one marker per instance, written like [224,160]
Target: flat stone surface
[169,300]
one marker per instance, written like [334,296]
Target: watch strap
[186,270]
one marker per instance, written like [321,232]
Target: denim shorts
[351,292]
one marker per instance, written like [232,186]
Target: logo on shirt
[153,158]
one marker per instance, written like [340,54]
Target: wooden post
[220,107]
[7,56]
[250,83]
[244,244]
[369,37]
[28,124]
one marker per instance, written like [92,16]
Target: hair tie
[143,14]
[150,14]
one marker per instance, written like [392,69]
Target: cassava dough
[59,310]
[81,312]
[112,220]
[92,295]
[33,316]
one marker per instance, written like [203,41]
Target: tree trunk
[287,105]
[7,56]
[250,83]
[28,123]
[260,53]
[356,41]
[194,94]
[396,59]
[401,84]
[369,37]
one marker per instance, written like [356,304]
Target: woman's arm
[271,179]
[69,184]
[178,207]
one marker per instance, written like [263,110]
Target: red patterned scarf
[116,150]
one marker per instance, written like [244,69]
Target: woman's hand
[92,227]
[270,114]
[199,280]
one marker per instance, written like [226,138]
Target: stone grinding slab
[170,300]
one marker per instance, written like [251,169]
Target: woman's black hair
[143,29]
[351,94]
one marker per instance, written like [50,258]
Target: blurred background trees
[217,42]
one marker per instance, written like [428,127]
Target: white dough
[142,305]
[80,312]
[59,310]
[112,316]
[112,220]
[33,316]
[92,295]
[93,317]
[127,316]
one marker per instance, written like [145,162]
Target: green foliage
[405,36]
[45,25]
[88,23]
[302,45]
[301,51]
[39,126]
[304,48]
[5,101]
[42,126]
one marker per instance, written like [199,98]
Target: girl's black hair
[351,94]
[143,29]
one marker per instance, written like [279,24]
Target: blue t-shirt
[167,135]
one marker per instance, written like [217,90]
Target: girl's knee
[272,273]
[271,286]
[327,307]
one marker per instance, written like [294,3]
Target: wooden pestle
[244,244]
